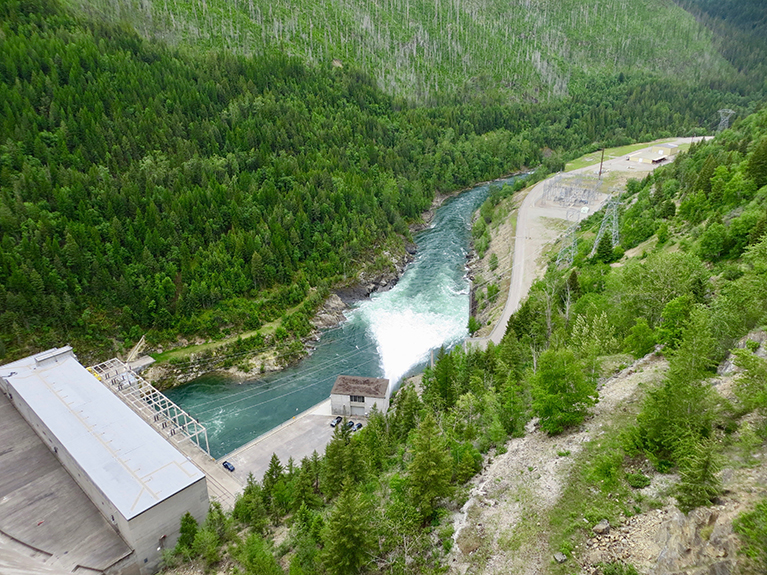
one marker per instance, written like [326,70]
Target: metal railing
[153,406]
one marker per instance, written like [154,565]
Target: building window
[357,398]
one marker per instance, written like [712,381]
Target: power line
[567,253]
[290,378]
[609,223]
[251,406]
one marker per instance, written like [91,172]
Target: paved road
[534,233]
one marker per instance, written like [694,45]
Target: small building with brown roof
[356,396]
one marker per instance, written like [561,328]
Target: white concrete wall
[146,529]
[143,532]
[341,404]
[383,404]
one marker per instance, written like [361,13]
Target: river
[391,334]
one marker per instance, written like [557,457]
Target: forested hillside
[380,500]
[739,29]
[432,51]
[185,193]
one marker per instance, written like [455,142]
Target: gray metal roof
[132,464]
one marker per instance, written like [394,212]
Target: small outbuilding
[666,149]
[355,396]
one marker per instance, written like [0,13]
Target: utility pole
[601,163]
[609,225]
[570,247]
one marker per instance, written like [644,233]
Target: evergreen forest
[181,192]
[382,500]
[193,169]
[445,51]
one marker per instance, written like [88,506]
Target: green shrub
[752,528]
[493,262]
[206,546]
[617,568]
[637,480]
[605,470]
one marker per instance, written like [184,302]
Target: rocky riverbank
[379,275]
[276,357]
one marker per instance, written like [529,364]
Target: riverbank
[378,275]
[276,355]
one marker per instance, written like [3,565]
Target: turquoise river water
[391,334]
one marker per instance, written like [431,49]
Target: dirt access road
[535,230]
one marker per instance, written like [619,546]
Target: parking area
[297,438]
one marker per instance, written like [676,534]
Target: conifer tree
[604,249]
[699,483]
[303,488]
[429,471]
[271,477]
[335,465]
[562,394]
[257,558]
[681,410]
[346,537]
[757,164]
[188,532]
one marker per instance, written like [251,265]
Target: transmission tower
[567,253]
[609,225]
[724,119]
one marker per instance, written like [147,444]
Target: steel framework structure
[609,221]
[571,190]
[567,253]
[161,413]
[724,119]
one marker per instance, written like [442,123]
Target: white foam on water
[406,328]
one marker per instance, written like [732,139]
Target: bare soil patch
[502,527]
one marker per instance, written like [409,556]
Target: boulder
[602,528]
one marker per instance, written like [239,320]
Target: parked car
[350,424]
[336,421]
[358,427]
[228,466]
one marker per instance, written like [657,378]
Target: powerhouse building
[139,482]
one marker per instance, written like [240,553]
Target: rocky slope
[504,526]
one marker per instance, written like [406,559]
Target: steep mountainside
[739,29]
[575,445]
[424,49]
[193,194]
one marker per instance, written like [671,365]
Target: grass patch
[617,568]
[522,533]
[595,491]
[181,353]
